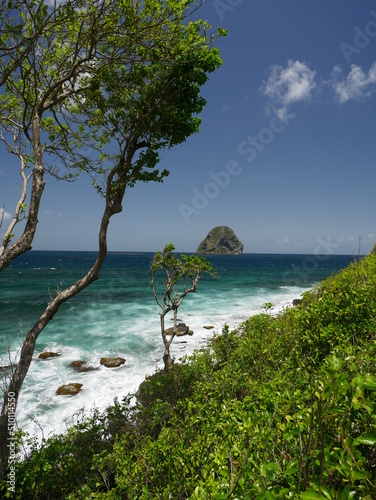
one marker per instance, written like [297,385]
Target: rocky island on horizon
[221,240]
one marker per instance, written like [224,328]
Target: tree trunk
[167,360]
[23,244]
[28,346]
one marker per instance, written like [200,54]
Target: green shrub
[65,462]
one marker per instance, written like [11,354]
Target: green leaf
[334,363]
[291,468]
[326,492]
[367,439]
[309,495]
[358,474]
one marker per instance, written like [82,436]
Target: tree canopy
[91,83]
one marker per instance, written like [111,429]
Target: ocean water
[118,316]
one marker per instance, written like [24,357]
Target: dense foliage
[282,407]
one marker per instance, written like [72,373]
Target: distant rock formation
[221,240]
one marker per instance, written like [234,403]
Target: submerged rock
[69,389]
[48,354]
[112,362]
[81,366]
[221,240]
[208,327]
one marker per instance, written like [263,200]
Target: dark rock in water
[296,302]
[112,362]
[221,240]
[81,366]
[208,327]
[48,354]
[69,389]
[181,329]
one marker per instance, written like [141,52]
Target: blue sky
[286,151]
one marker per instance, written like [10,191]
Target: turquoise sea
[118,316]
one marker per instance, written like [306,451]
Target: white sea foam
[131,331]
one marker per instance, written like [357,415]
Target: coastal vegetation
[91,86]
[284,406]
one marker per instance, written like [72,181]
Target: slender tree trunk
[167,360]
[28,346]
[9,253]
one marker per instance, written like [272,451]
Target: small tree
[185,272]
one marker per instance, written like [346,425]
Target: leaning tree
[100,86]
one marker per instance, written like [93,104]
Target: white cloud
[52,213]
[356,85]
[289,85]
